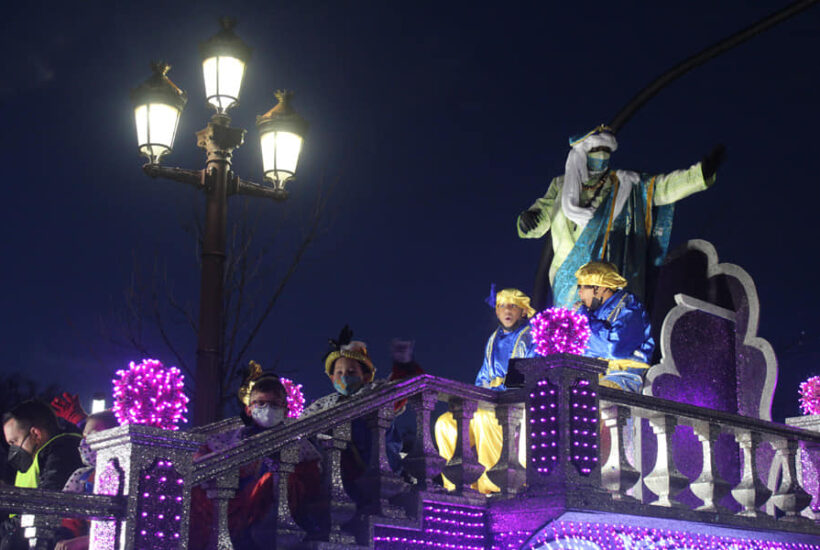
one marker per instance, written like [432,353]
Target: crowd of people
[48,447]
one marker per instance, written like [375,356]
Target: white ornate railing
[588,448]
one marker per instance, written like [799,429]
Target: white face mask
[266,416]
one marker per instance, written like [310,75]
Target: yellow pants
[485,436]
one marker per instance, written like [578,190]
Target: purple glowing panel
[703,348]
[443,526]
[564,535]
[511,540]
[542,412]
[109,482]
[160,507]
[583,425]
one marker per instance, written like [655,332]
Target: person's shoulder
[64,442]
[321,404]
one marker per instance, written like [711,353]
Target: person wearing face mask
[82,480]
[512,339]
[42,454]
[595,213]
[264,402]
[620,331]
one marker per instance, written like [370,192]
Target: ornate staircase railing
[587,448]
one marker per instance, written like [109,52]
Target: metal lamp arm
[239,186]
[182,175]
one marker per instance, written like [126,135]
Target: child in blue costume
[511,340]
[620,331]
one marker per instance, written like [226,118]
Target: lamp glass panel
[156,127]
[280,154]
[223,80]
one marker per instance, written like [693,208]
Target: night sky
[439,122]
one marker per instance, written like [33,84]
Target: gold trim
[650,195]
[615,189]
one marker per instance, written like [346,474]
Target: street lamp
[224,57]
[158,104]
[280,134]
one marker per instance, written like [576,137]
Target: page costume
[619,216]
[620,331]
[485,431]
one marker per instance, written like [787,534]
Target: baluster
[463,469]
[789,497]
[341,506]
[710,487]
[379,483]
[750,493]
[617,475]
[665,480]
[39,530]
[508,473]
[220,492]
[288,532]
[424,463]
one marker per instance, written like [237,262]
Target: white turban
[576,173]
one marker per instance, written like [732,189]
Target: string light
[148,393]
[810,395]
[559,330]
[296,399]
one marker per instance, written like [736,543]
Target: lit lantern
[281,132]
[224,57]
[158,103]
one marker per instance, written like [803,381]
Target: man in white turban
[597,214]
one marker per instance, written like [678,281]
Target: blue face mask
[598,161]
[349,384]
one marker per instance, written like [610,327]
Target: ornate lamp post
[158,104]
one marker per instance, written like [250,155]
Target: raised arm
[680,184]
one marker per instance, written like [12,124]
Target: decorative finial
[227,23]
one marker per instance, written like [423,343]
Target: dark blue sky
[440,122]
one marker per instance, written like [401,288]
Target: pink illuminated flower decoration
[148,393]
[559,330]
[296,399]
[810,395]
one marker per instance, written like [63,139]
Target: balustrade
[595,448]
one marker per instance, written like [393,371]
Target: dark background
[439,121]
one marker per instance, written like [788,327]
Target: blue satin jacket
[501,347]
[619,329]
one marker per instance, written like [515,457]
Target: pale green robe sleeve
[677,185]
[545,207]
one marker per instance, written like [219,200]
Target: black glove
[528,220]
[712,160]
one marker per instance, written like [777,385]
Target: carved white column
[463,469]
[750,493]
[665,480]
[617,475]
[709,486]
[788,497]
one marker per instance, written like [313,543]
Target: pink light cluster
[148,393]
[296,399]
[559,330]
[810,395]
